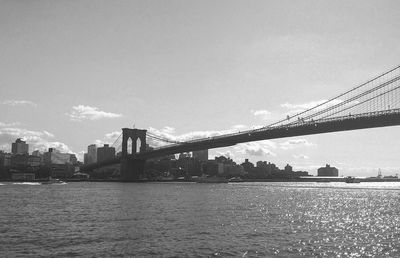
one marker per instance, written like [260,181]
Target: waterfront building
[19,161]
[186,163]
[62,170]
[300,173]
[328,171]
[34,161]
[201,155]
[5,159]
[36,153]
[210,168]
[288,168]
[92,154]
[104,153]
[233,170]
[23,176]
[248,166]
[54,156]
[19,147]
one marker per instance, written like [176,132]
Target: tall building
[19,147]
[85,158]
[201,155]
[92,154]
[328,171]
[106,152]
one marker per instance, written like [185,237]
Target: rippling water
[188,219]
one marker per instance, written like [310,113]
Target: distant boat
[211,179]
[52,181]
[236,180]
[352,179]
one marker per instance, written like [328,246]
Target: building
[288,168]
[19,161]
[328,171]
[248,166]
[55,157]
[19,147]
[23,176]
[104,153]
[92,154]
[36,153]
[201,155]
[34,161]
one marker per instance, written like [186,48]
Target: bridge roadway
[336,124]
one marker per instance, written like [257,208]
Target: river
[271,219]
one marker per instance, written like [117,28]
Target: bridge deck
[336,124]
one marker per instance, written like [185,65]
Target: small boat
[52,181]
[211,179]
[351,179]
[236,180]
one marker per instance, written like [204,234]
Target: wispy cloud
[13,102]
[262,113]
[301,156]
[318,105]
[291,144]
[9,124]
[82,112]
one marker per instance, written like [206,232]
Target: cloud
[13,102]
[9,124]
[168,129]
[44,145]
[264,114]
[291,144]
[82,112]
[37,140]
[256,148]
[301,156]
[113,135]
[304,106]
[48,134]
[239,127]
[227,153]
[293,109]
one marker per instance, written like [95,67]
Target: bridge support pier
[132,169]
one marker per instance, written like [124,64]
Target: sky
[74,73]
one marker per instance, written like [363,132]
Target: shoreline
[317,180]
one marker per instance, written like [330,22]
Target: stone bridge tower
[131,168]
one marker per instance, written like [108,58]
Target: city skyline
[75,73]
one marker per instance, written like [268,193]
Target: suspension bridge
[375,103]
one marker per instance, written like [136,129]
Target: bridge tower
[132,168]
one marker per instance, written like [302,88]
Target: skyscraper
[19,147]
[92,154]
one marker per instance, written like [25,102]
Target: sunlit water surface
[189,219]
